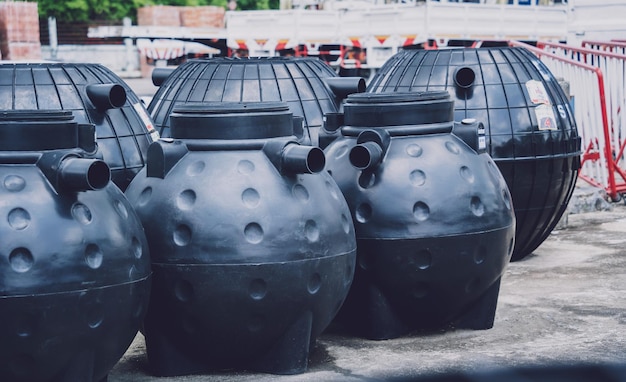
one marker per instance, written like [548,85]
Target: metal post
[52,36]
[131,51]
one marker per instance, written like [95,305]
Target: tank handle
[472,133]
[163,155]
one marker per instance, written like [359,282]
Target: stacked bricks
[161,15]
[202,16]
[173,16]
[19,31]
[177,16]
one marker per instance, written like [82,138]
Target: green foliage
[114,10]
[86,10]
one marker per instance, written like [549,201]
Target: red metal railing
[598,116]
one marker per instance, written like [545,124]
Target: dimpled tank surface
[531,133]
[433,216]
[75,266]
[254,246]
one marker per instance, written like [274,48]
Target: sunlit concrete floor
[564,305]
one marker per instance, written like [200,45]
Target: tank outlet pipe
[82,174]
[106,96]
[159,75]
[366,156]
[292,158]
[464,77]
[344,86]
[370,149]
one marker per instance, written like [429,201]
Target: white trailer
[377,31]
[364,34]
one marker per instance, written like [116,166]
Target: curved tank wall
[297,81]
[123,127]
[253,243]
[530,129]
[74,260]
[432,214]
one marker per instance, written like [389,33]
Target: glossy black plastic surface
[530,129]
[433,217]
[75,267]
[253,244]
[297,81]
[94,94]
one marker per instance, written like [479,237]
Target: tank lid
[38,130]
[397,97]
[231,120]
[398,109]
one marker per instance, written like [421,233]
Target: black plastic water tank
[530,129]
[253,243]
[94,94]
[308,85]
[432,215]
[74,261]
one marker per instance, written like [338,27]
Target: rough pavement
[563,305]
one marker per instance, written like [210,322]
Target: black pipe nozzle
[159,75]
[297,159]
[464,77]
[344,86]
[81,174]
[106,96]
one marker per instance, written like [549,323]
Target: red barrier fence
[596,77]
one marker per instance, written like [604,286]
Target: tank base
[482,313]
[288,356]
[166,360]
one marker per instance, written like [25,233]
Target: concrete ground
[562,306]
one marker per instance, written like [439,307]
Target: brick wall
[202,16]
[19,31]
[173,16]
[161,15]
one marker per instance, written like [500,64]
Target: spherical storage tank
[308,85]
[252,243]
[530,128]
[74,260]
[94,94]
[432,214]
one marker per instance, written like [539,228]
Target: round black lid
[231,120]
[397,109]
[37,130]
